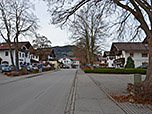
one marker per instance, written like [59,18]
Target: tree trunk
[88,47]
[12,59]
[17,59]
[16,54]
[92,59]
[88,56]
[148,80]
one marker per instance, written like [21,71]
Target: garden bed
[24,72]
[137,94]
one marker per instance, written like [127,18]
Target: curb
[69,109]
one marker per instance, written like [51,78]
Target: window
[20,54]
[23,55]
[6,53]
[144,55]
[24,48]
[145,63]
[131,54]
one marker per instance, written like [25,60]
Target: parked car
[34,67]
[142,66]
[28,68]
[6,68]
[11,66]
[66,66]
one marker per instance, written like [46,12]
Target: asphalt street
[43,94]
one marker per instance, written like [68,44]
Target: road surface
[43,94]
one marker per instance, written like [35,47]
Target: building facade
[66,62]
[137,50]
[24,53]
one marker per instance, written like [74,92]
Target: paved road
[44,94]
[3,77]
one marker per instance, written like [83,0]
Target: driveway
[116,84]
[113,83]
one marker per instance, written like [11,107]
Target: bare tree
[41,44]
[88,31]
[139,10]
[80,52]
[142,12]
[16,20]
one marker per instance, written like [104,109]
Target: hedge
[116,71]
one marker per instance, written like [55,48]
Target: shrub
[116,71]
[35,71]
[47,68]
[85,67]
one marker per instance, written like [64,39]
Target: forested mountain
[63,51]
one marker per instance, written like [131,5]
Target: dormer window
[24,48]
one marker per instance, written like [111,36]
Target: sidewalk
[89,99]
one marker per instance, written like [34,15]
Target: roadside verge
[14,79]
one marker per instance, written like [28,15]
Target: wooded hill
[63,51]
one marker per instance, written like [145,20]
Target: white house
[137,50]
[66,61]
[75,62]
[23,53]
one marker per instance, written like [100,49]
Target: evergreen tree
[130,63]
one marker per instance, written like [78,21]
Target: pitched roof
[75,58]
[130,46]
[5,46]
[108,53]
[145,41]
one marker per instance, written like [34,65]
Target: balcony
[120,61]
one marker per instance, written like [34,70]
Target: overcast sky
[57,36]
